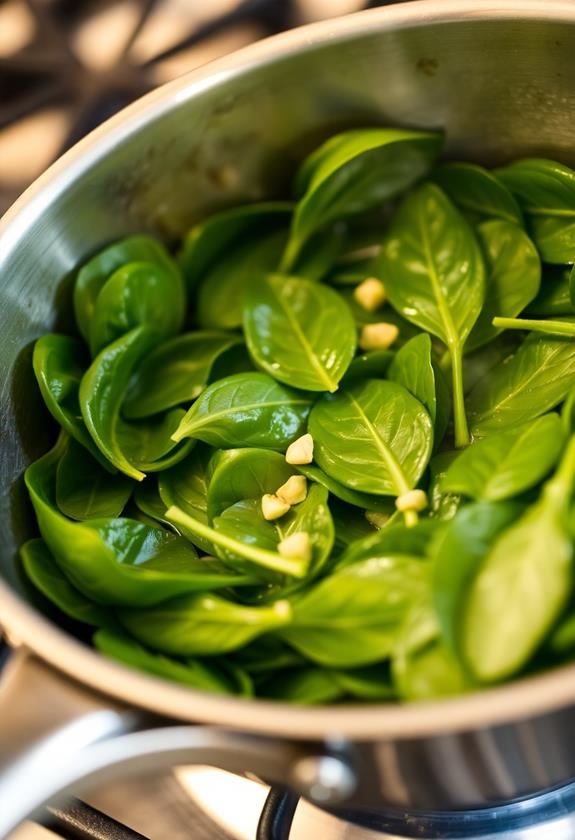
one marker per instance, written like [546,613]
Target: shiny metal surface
[499,79]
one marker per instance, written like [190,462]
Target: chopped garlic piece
[370,294]
[272,507]
[293,491]
[377,519]
[296,546]
[378,336]
[300,451]
[412,500]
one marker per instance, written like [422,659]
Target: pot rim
[25,626]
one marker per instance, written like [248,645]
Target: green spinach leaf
[299,332]
[555,296]
[85,490]
[237,474]
[546,192]
[508,462]
[477,192]
[246,409]
[435,277]
[526,385]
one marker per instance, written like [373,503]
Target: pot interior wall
[498,87]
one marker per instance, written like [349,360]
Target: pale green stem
[262,557]
[459,416]
[445,362]
[290,256]
[560,328]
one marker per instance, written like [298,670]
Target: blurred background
[67,65]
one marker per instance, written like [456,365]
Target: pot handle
[57,735]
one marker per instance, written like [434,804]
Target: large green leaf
[354,171]
[352,617]
[477,192]
[508,462]
[435,277]
[529,383]
[119,561]
[546,191]
[246,409]
[374,437]
[513,277]
[523,584]
[299,332]
[202,625]
[176,372]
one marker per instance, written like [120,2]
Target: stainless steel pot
[499,77]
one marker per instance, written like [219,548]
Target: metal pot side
[499,79]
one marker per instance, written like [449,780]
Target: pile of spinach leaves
[190,376]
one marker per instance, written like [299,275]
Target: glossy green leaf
[138,294]
[59,363]
[350,523]
[46,575]
[366,501]
[102,392]
[222,293]
[352,617]
[207,241]
[176,372]
[356,170]
[523,584]
[435,277]
[372,365]
[373,437]
[395,538]
[509,462]
[529,383]
[148,444]
[238,474]
[147,501]
[85,490]
[202,625]
[186,486]
[93,275]
[477,192]
[458,554]
[201,675]
[546,192]
[513,277]
[119,561]
[299,332]
[443,505]
[247,409]
[555,297]
[372,682]
[266,655]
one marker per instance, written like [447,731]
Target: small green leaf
[299,332]
[45,574]
[366,501]
[202,625]
[138,294]
[526,385]
[93,275]
[372,365]
[477,192]
[59,363]
[555,297]
[186,486]
[509,462]
[546,192]
[435,277]
[237,474]
[176,372]
[373,437]
[354,171]
[247,409]
[513,277]
[84,490]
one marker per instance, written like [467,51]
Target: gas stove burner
[67,65]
